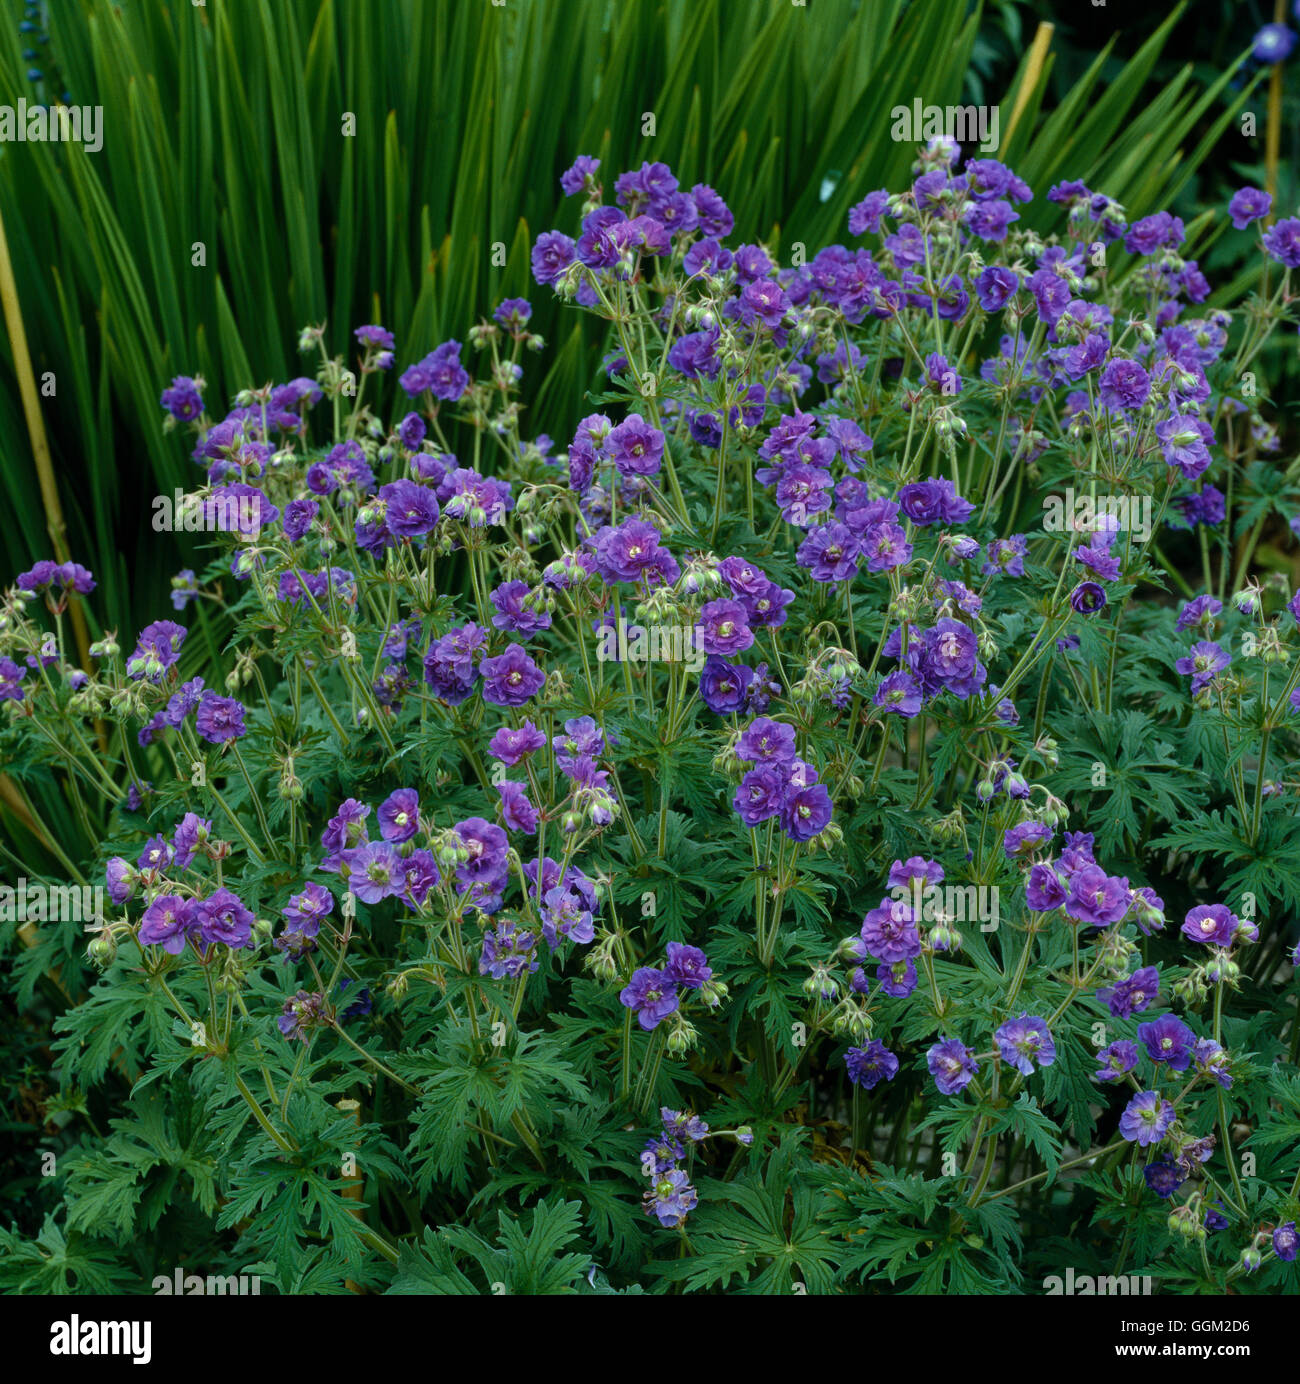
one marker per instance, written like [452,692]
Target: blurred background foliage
[223,124]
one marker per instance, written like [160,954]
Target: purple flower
[1211,923]
[375,336]
[950,657]
[830,553]
[223,918]
[517,812]
[399,815]
[898,979]
[1212,1060]
[410,432]
[191,832]
[765,741]
[1025,838]
[449,663]
[578,174]
[1096,897]
[1200,612]
[373,871]
[120,878]
[670,1198]
[1146,1119]
[165,923]
[1132,994]
[932,502]
[411,510]
[157,649]
[1214,1217]
[631,552]
[1282,241]
[516,613]
[805,811]
[724,628]
[898,693]
[1205,660]
[864,216]
[1024,1041]
[1087,598]
[1168,1039]
[723,685]
[345,829]
[1117,1060]
[952,1065]
[583,739]
[651,995]
[759,796]
[419,874]
[297,518]
[1163,1177]
[440,372]
[157,854]
[565,915]
[903,874]
[635,447]
[1155,232]
[995,286]
[687,966]
[512,678]
[1124,385]
[507,951]
[11,678]
[61,577]
[485,874]
[301,1013]
[715,216]
[889,932]
[182,399]
[885,547]
[1006,555]
[219,719]
[869,1066]
[1286,1241]
[1249,204]
[1273,43]
[510,745]
[307,910]
[552,254]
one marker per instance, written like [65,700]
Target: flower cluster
[541,752]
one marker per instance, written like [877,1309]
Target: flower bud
[821,984]
[102,949]
[952,827]
[713,993]
[945,938]
[681,1039]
